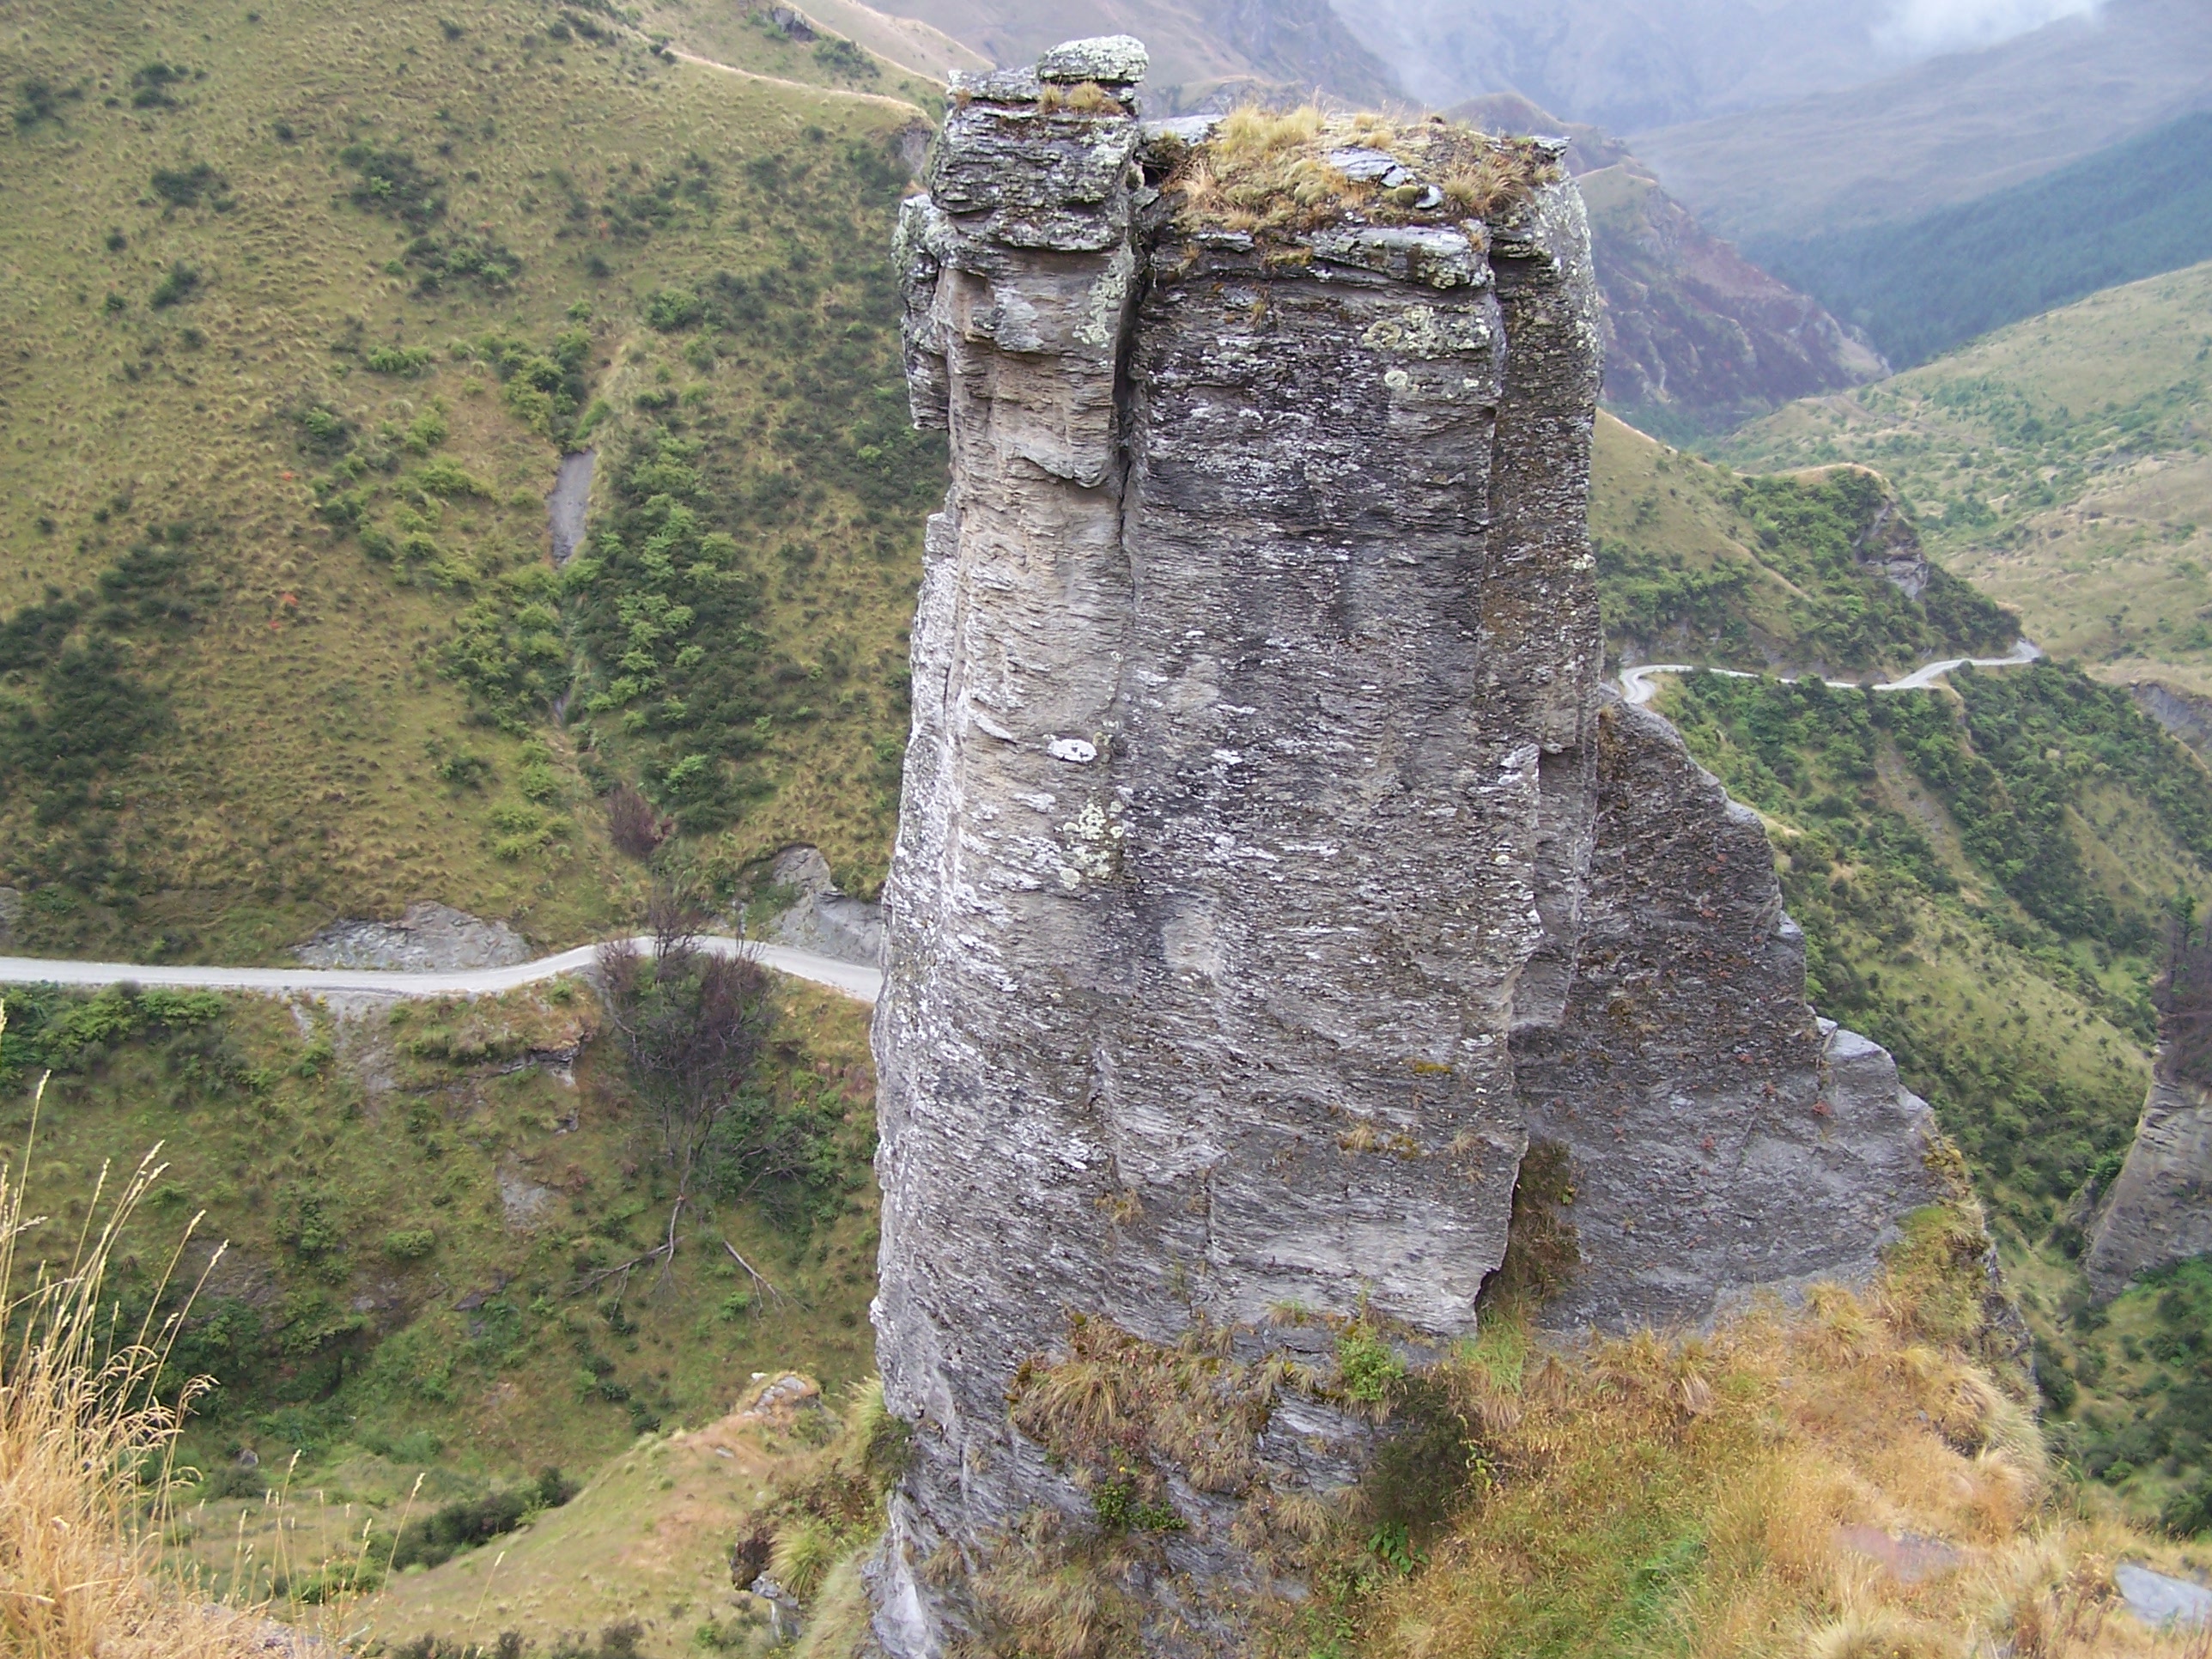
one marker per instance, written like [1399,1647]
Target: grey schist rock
[1271,866]
[2159,1209]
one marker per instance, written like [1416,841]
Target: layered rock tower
[1272,869]
[2154,1213]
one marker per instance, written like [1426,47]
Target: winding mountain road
[853,979]
[860,982]
[1637,684]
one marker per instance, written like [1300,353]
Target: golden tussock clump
[85,1449]
[1267,173]
[1846,1481]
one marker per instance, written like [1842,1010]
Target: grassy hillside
[305,302]
[1697,563]
[2060,466]
[422,1303]
[372,1176]
[1922,287]
[1985,880]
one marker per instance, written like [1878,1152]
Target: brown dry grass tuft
[1267,173]
[85,1451]
[1119,1410]
[1847,1481]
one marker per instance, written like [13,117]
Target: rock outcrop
[1721,1138]
[2159,1207]
[428,937]
[822,916]
[1272,870]
[2184,714]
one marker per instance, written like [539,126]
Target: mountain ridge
[1943,131]
[1697,337]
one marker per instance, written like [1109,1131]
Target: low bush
[391,183]
[179,285]
[466,1523]
[410,360]
[184,186]
[633,825]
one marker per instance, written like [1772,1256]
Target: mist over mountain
[1203,52]
[1631,65]
[1917,27]
[1943,131]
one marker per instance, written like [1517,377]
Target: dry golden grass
[1267,173]
[85,1449]
[1842,1482]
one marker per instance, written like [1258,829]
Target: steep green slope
[1697,563]
[1922,287]
[2061,465]
[1985,881]
[304,304]
[426,1211]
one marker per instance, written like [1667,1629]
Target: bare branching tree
[692,1022]
[633,826]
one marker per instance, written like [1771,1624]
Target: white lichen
[1091,844]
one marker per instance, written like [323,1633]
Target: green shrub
[325,429]
[467,1523]
[179,284]
[150,85]
[410,360]
[463,256]
[40,101]
[50,1029]
[443,476]
[411,1243]
[671,309]
[426,432]
[1369,1369]
[183,186]
[844,57]
[391,183]
[1120,1507]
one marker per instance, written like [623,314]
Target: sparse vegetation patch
[1270,173]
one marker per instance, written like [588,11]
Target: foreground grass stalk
[87,1447]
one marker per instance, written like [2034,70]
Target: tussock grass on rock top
[1268,172]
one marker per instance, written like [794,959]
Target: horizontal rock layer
[1267,872]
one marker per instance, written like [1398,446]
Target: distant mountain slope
[2061,463]
[1626,64]
[901,41]
[1944,132]
[301,307]
[1696,338]
[1817,571]
[1202,51]
[1922,287]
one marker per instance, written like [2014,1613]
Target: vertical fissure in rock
[1271,872]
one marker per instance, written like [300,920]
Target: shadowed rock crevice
[1269,868]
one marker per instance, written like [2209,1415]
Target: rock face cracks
[1271,869]
[2154,1213]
